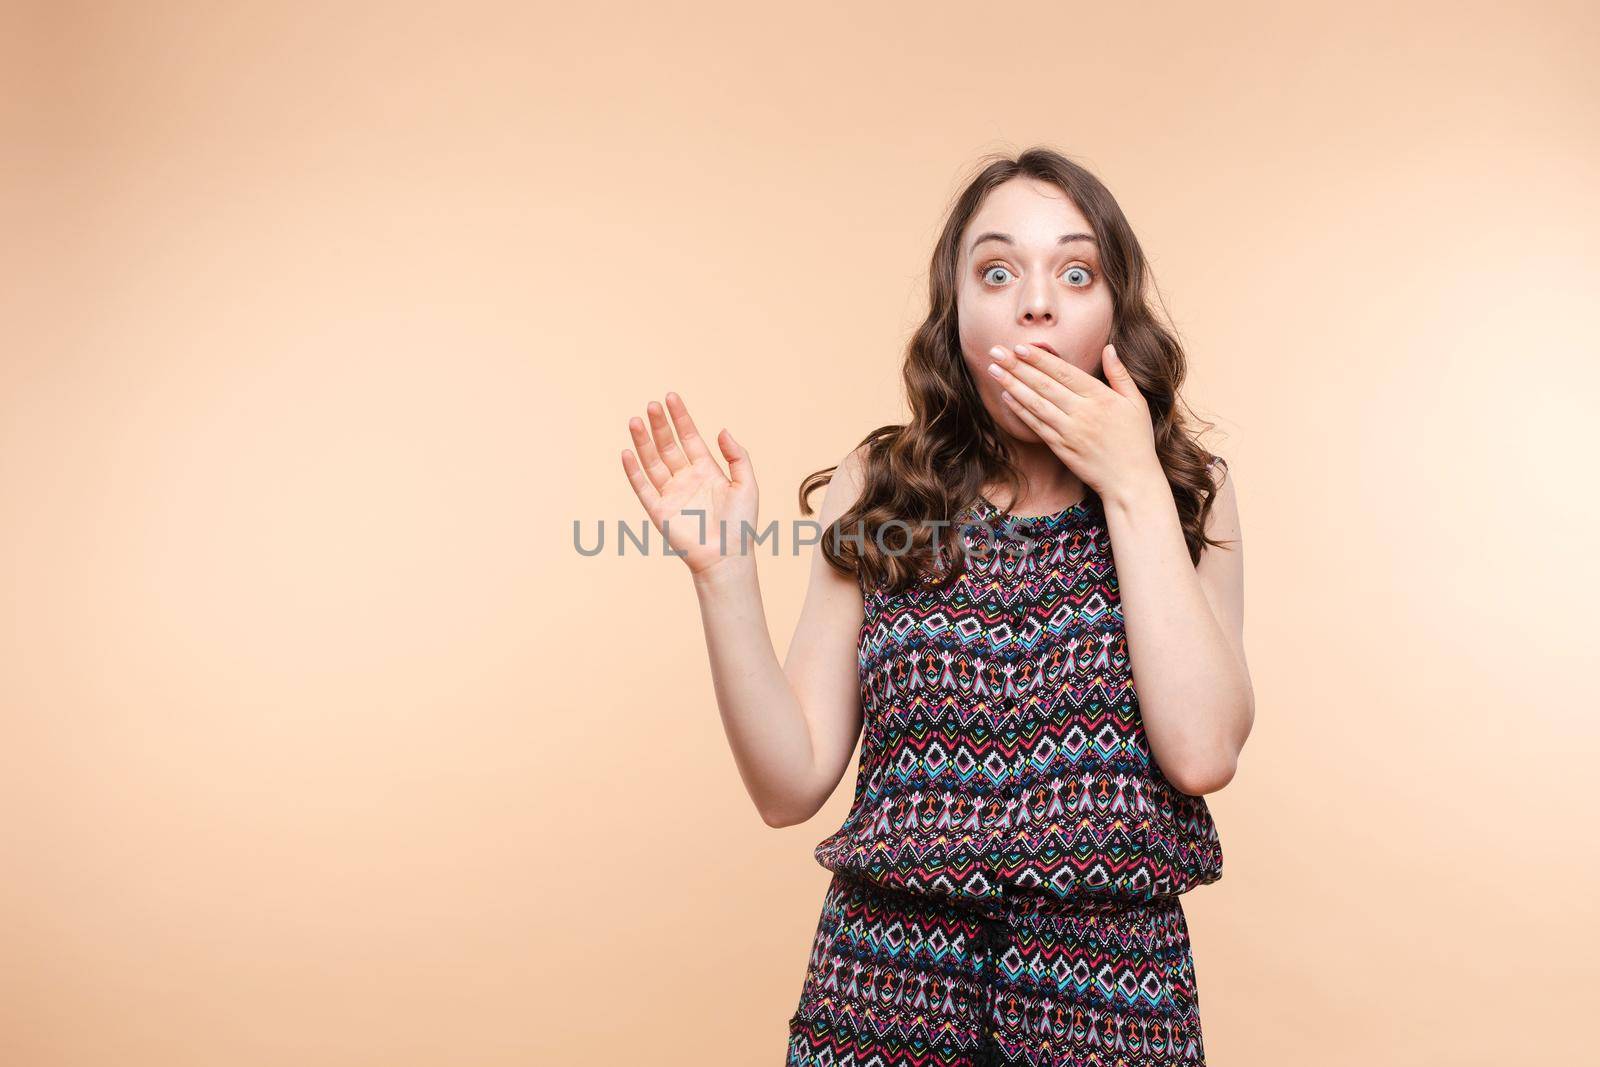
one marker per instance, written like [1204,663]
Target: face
[1029,288]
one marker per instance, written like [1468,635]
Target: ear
[1117,375]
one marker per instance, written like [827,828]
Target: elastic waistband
[1006,905]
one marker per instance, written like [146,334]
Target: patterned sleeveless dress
[1006,883]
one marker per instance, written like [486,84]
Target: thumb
[1117,375]
[739,470]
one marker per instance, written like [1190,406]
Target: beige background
[321,744]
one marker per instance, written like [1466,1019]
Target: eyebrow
[1064,239]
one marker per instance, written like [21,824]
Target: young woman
[1044,688]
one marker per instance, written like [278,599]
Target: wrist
[1140,493]
[725,571]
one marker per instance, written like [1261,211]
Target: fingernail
[994,369]
[1021,349]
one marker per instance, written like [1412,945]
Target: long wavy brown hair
[935,466]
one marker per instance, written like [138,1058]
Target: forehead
[1035,213]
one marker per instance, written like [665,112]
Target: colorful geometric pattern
[1005,771]
[906,978]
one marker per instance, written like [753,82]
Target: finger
[666,444]
[1077,380]
[1033,421]
[1023,393]
[1042,381]
[651,459]
[688,433]
[1117,375]
[739,468]
[642,487]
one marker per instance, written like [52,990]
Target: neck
[1050,484]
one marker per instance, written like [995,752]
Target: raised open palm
[678,478]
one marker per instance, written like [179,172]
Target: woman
[1039,720]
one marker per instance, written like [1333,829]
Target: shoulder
[1222,519]
[853,467]
[844,488]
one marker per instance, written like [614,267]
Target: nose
[1037,302]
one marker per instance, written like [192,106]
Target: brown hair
[935,466]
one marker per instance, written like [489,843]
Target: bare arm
[791,727]
[1185,628]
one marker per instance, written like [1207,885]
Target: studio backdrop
[323,742]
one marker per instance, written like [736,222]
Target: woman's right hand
[671,479]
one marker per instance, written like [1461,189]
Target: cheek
[978,367]
[976,341]
[1087,332]
[978,324]
[976,372]
[973,355]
